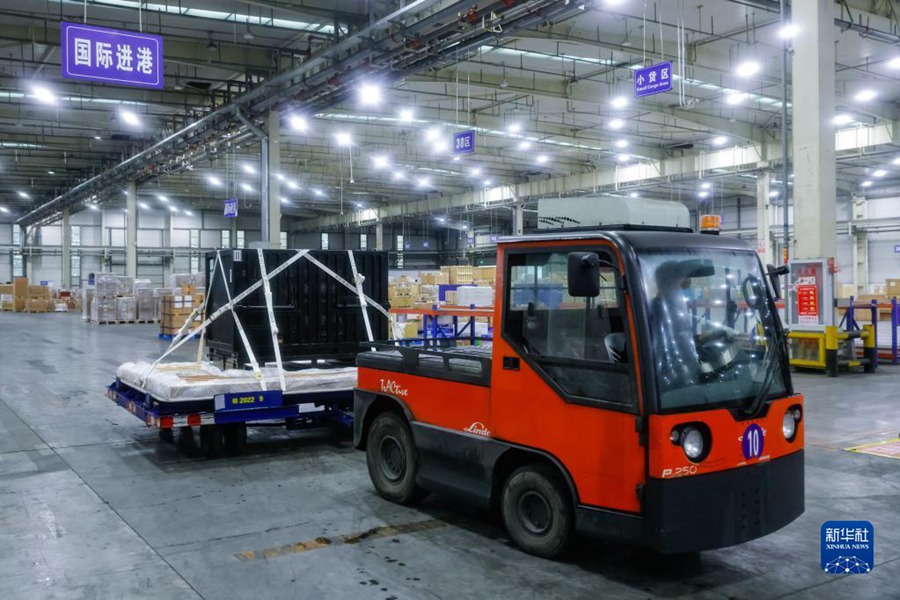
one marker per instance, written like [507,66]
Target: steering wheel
[715,355]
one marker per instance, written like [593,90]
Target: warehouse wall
[6,230]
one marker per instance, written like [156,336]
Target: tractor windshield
[712,330]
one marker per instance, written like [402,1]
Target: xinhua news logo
[848,547]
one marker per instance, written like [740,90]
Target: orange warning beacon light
[711,224]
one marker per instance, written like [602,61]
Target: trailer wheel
[391,458]
[167,435]
[211,440]
[236,439]
[537,511]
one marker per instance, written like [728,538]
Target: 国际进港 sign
[111,56]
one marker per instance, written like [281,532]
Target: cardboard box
[892,288]
[458,274]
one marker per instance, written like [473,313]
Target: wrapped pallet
[126,309]
[104,309]
[146,303]
[87,296]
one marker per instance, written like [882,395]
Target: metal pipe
[784,139]
[263,173]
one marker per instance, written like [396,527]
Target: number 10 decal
[752,441]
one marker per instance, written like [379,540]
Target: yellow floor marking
[886,448]
[353,538]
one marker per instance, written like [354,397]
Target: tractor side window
[578,343]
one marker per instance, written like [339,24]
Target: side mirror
[584,274]
[774,273]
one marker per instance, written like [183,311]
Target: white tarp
[202,380]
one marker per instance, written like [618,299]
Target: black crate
[317,316]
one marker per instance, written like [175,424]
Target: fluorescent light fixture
[248,169]
[879,173]
[97,137]
[399,176]
[380,161]
[129,117]
[896,161]
[23,195]
[51,172]
[188,213]
[358,204]
[174,209]
[424,182]
[703,194]
[623,158]
[441,146]
[476,171]
[284,200]
[514,128]
[633,195]
[293,184]
[369,94]
[788,31]
[298,123]
[616,124]
[734,97]
[93,207]
[720,140]
[843,119]
[542,159]
[43,94]
[866,184]
[706,185]
[144,205]
[773,194]
[487,182]
[432,133]
[456,158]
[162,198]
[441,220]
[748,68]
[619,102]
[343,139]
[3,209]
[213,180]
[406,115]
[524,145]
[280,177]
[318,192]
[865,95]
[246,187]
[894,63]
[622,144]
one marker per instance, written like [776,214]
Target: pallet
[168,337]
[130,322]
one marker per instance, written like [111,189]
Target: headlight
[692,442]
[788,425]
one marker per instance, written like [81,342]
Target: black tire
[392,459]
[211,440]
[236,439]
[167,435]
[537,511]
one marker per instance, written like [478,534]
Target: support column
[815,209]
[859,210]
[273,129]
[65,279]
[518,224]
[24,241]
[379,235]
[131,230]
[763,240]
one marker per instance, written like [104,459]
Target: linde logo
[390,386]
[478,428]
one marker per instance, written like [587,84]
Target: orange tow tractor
[637,388]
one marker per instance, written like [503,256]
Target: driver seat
[615,347]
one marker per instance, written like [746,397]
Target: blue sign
[464,142]
[848,547]
[231,208]
[248,400]
[111,56]
[752,441]
[896,248]
[653,80]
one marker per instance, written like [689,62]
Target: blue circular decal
[752,442]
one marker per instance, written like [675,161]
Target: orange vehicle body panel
[667,460]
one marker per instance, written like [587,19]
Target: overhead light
[369,94]
[399,176]
[51,172]
[358,204]
[773,194]
[213,180]
[280,177]
[748,68]
[720,140]
[843,119]
[476,172]
[441,146]
[879,173]
[456,158]
[4,210]
[211,47]
[248,169]
[788,31]
[97,137]
[866,184]
[293,184]
[93,207]
[23,195]
[706,185]
[441,220]
[633,195]
[43,94]
[622,144]
[487,182]
[619,102]
[432,134]
[246,187]
[894,63]
[424,182]
[343,139]
[284,200]
[616,124]
[865,95]
[734,98]
[406,115]
[144,205]
[318,192]
[896,161]
[623,158]
[248,35]
[129,117]
[188,213]
[524,145]
[514,128]
[542,159]
[380,161]
[703,194]
[162,198]
[298,123]
[174,209]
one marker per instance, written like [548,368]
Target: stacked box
[892,288]
[14,296]
[475,295]
[428,293]
[6,297]
[176,309]
[484,275]
[87,296]
[434,278]
[124,285]
[126,309]
[458,274]
[187,283]
[146,304]
[104,309]
[402,293]
[40,299]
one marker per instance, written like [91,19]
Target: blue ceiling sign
[464,142]
[111,56]
[231,208]
[653,80]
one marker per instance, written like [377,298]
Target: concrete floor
[93,505]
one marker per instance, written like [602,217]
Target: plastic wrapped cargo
[473,295]
[87,296]
[104,309]
[146,303]
[124,285]
[107,285]
[126,308]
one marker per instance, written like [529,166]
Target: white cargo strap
[273,326]
[237,322]
[347,285]
[226,307]
[363,305]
